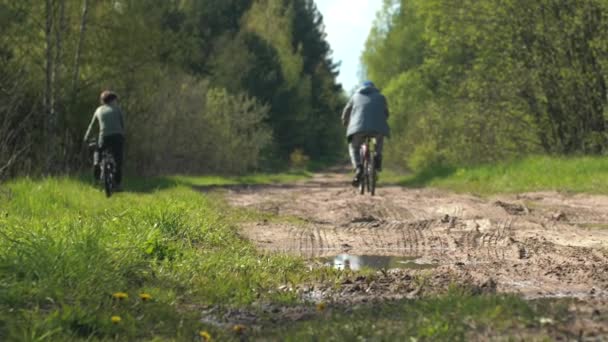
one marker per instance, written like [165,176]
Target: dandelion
[145,296]
[205,336]
[545,320]
[116,319]
[238,328]
[120,295]
[321,307]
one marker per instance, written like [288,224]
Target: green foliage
[395,43]
[213,85]
[306,106]
[206,130]
[298,159]
[484,81]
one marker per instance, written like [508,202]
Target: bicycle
[367,153]
[107,167]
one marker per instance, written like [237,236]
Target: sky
[347,24]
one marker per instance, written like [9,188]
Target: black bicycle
[367,153]
[106,167]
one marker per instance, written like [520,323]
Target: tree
[478,81]
[58,55]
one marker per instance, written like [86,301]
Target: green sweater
[110,121]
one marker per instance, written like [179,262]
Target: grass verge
[575,174]
[75,265]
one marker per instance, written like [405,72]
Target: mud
[542,244]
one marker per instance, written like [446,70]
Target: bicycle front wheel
[362,185]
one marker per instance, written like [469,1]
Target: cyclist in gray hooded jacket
[365,114]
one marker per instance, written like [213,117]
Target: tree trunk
[83,28]
[56,76]
[49,105]
[48,90]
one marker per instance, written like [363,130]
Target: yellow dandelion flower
[238,328]
[205,336]
[116,319]
[120,295]
[321,307]
[145,296]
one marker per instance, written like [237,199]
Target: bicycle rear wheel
[363,179]
[363,159]
[371,176]
[108,180]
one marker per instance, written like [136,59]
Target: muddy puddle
[375,262]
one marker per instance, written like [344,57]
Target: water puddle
[357,262]
[323,254]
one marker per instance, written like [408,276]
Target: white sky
[347,24]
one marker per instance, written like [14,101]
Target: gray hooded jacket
[366,112]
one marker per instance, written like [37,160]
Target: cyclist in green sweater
[111,132]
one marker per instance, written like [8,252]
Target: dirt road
[543,244]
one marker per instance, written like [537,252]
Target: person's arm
[86,136]
[346,112]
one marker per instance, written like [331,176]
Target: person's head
[368,84]
[107,97]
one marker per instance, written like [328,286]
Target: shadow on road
[280,186]
[135,185]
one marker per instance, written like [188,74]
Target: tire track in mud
[537,252]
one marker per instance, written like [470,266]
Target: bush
[191,127]
[298,159]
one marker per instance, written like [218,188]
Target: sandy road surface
[543,244]
[537,244]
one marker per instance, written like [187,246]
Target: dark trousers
[355,142]
[115,143]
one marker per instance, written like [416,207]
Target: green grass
[65,249]
[575,174]
[455,316]
[391,177]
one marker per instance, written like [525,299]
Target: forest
[236,86]
[206,86]
[480,81]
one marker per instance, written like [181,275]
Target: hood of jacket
[367,90]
